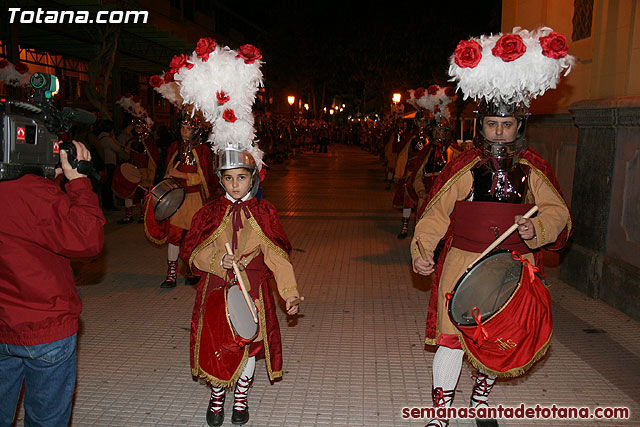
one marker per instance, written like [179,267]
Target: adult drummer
[190,162]
[478,196]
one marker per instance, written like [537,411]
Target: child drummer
[260,249]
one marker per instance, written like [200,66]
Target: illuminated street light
[396,98]
[291,99]
[331,111]
[306,106]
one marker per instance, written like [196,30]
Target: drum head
[131,173]
[240,314]
[488,286]
[167,196]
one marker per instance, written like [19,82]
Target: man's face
[236,182]
[500,129]
[186,132]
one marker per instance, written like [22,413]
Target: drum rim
[157,200]
[226,310]
[515,290]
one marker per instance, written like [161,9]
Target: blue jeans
[49,374]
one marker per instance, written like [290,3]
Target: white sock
[172,252]
[447,364]
[128,203]
[406,212]
[243,384]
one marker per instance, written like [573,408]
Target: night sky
[367,52]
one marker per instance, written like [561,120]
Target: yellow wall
[607,63]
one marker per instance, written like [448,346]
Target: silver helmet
[506,154]
[233,158]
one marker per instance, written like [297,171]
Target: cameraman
[41,228]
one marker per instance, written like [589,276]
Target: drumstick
[297,301]
[502,237]
[241,283]
[423,254]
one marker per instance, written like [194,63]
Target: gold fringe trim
[277,249]
[273,375]
[211,379]
[150,238]
[449,184]
[216,233]
[548,182]
[515,372]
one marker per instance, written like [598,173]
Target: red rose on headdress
[436,109]
[408,95]
[205,46]
[249,53]
[21,68]
[419,92]
[509,47]
[178,62]
[222,97]
[432,90]
[136,99]
[554,45]
[229,115]
[450,91]
[118,97]
[168,77]
[3,63]
[127,95]
[156,81]
[468,54]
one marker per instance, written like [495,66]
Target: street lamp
[291,99]
[396,98]
[306,107]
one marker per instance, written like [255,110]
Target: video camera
[30,140]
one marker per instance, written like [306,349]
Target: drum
[167,197]
[243,327]
[502,310]
[486,287]
[125,180]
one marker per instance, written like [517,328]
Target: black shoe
[168,284]
[403,235]
[486,422]
[126,220]
[214,419]
[240,417]
[190,281]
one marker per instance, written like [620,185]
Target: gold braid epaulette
[447,185]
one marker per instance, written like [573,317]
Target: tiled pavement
[355,356]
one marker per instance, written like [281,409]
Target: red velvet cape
[205,223]
[451,173]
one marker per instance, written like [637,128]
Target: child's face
[237,182]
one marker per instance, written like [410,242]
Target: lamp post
[395,108]
[291,100]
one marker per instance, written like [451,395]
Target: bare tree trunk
[102,66]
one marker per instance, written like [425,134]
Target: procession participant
[481,192]
[142,153]
[249,226]
[440,101]
[190,162]
[42,228]
[405,197]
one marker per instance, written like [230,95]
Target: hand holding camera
[75,159]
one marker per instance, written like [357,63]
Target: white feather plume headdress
[166,86]
[438,100]
[510,68]
[14,75]
[131,104]
[222,84]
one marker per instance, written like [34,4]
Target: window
[582,18]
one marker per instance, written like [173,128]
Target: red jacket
[41,227]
